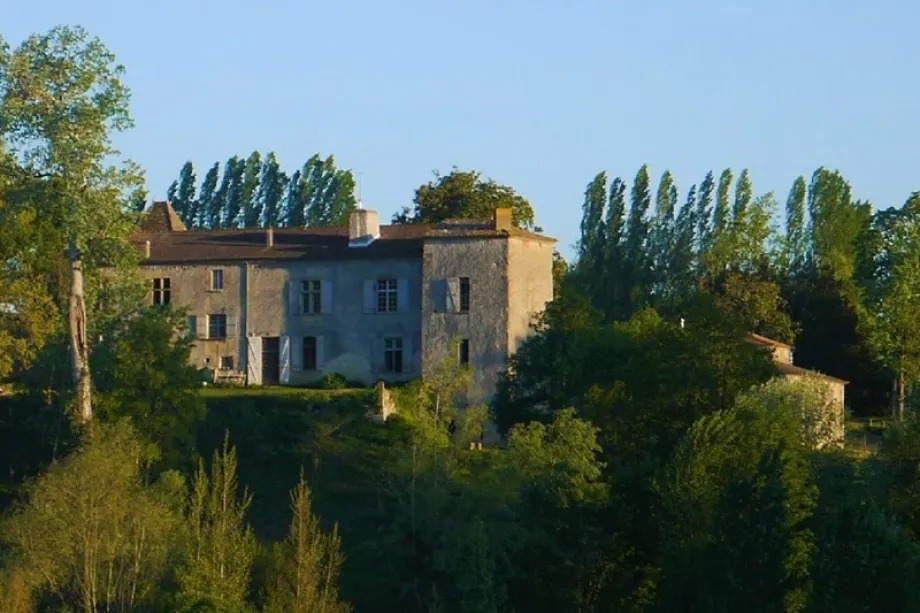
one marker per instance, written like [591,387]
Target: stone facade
[370,302]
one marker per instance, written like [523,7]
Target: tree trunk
[79,347]
[901,395]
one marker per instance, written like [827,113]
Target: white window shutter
[231,326]
[254,360]
[202,326]
[453,295]
[402,295]
[294,296]
[297,354]
[370,300]
[320,352]
[285,375]
[326,296]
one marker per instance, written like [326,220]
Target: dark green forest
[650,460]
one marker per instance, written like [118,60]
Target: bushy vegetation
[649,459]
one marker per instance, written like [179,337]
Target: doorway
[271,360]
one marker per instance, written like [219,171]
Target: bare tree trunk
[901,395]
[79,347]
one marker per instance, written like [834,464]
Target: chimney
[147,249]
[270,237]
[363,227]
[503,220]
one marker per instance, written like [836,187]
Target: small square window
[464,351]
[226,362]
[217,280]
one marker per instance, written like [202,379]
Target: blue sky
[537,94]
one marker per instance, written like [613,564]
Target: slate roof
[329,243]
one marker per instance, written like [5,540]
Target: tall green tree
[61,100]
[616,293]
[592,243]
[293,207]
[185,193]
[216,572]
[661,238]
[743,194]
[639,264]
[233,194]
[210,203]
[464,194]
[836,223]
[891,318]
[252,176]
[307,563]
[795,227]
[680,265]
[271,191]
[704,214]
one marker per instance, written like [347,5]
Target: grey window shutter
[326,296]
[453,295]
[320,352]
[294,296]
[402,295]
[370,302]
[231,326]
[192,323]
[202,326]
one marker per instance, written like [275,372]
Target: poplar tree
[637,240]
[615,304]
[293,210]
[185,195]
[271,191]
[220,209]
[795,227]
[743,195]
[663,229]
[591,244]
[680,268]
[341,198]
[704,214]
[207,208]
[252,175]
[234,195]
[721,215]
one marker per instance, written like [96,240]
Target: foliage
[810,397]
[143,373]
[90,534]
[216,572]
[464,195]
[308,563]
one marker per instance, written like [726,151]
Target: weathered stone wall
[485,263]
[530,285]
[352,339]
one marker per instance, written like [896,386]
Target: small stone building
[370,302]
[782,360]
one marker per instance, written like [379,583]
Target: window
[309,353]
[464,351]
[226,362]
[393,354]
[217,325]
[464,294]
[311,297]
[161,290]
[386,296]
[217,280]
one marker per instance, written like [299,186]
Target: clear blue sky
[537,94]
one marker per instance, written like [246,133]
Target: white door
[285,358]
[254,360]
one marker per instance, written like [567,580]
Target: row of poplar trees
[255,192]
[842,270]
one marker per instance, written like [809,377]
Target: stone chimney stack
[147,249]
[363,227]
[503,220]
[270,237]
